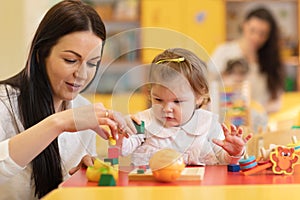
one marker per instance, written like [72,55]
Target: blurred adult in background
[259,44]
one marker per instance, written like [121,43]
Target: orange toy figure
[283,159]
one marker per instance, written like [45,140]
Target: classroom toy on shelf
[280,159]
[235,104]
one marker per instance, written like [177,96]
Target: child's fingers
[248,137]
[220,143]
[137,120]
[225,130]
[239,131]
[233,128]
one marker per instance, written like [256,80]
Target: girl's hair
[185,62]
[269,54]
[35,100]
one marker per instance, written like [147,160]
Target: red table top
[214,175]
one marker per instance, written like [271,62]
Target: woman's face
[173,105]
[72,64]
[256,32]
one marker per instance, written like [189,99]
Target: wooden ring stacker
[248,163]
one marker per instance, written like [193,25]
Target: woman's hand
[86,161]
[234,143]
[125,124]
[92,117]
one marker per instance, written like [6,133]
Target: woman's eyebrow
[70,51]
[78,55]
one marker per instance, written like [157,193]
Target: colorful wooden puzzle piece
[107,180]
[140,128]
[284,159]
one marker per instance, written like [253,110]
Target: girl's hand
[86,161]
[234,143]
[130,120]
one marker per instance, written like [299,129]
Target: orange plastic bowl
[166,165]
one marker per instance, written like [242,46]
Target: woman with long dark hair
[259,44]
[46,127]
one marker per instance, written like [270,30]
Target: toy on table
[284,160]
[187,174]
[233,168]
[166,165]
[295,145]
[249,165]
[107,180]
[94,173]
[105,172]
[281,159]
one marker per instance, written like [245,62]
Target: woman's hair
[269,54]
[35,100]
[182,61]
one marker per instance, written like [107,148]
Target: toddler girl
[177,120]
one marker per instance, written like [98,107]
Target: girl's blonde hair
[179,60]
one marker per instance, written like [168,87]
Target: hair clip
[178,60]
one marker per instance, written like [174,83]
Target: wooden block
[112,161]
[233,168]
[140,128]
[258,168]
[113,152]
[140,171]
[107,180]
[188,174]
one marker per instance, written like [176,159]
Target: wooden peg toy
[250,166]
[247,163]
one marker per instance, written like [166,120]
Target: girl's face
[256,32]
[72,64]
[173,106]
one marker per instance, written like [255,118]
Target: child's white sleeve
[131,143]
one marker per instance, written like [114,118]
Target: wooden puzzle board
[188,174]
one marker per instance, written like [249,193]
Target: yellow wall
[18,21]
[12,48]
[185,18]
[124,103]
